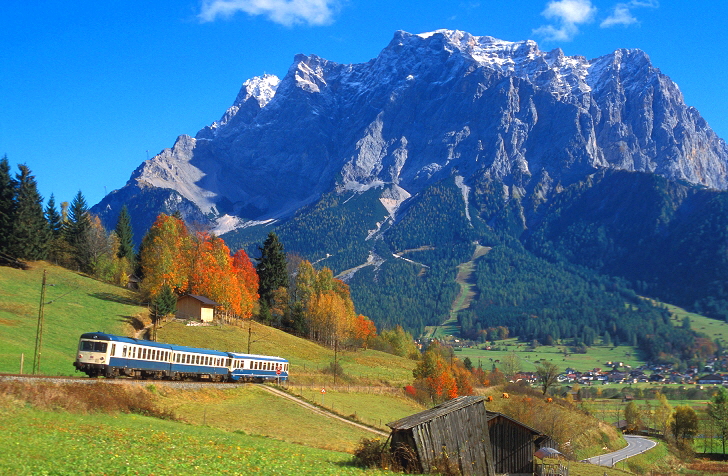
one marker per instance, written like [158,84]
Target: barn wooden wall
[512,446]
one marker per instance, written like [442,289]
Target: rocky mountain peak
[431,104]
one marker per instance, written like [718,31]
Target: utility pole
[250,331]
[39,332]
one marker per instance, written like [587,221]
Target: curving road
[635,446]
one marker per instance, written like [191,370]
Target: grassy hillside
[73,304]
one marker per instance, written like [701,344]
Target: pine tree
[30,230]
[271,269]
[55,223]
[76,232]
[125,235]
[7,205]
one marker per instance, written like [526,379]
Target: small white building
[191,306]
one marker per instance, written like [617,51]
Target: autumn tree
[633,416]
[166,256]
[684,424]
[546,374]
[663,413]
[212,274]
[364,330]
[510,364]
[441,375]
[247,282]
[396,341]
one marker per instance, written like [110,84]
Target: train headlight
[80,356]
[102,358]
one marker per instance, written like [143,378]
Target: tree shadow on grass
[115,298]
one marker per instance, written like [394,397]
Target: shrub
[371,453]
[85,398]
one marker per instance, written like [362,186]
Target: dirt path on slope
[320,411]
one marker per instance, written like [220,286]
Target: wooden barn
[456,429]
[513,444]
[191,306]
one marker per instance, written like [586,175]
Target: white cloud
[568,15]
[622,13]
[285,12]
[620,16]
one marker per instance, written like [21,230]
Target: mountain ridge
[425,104]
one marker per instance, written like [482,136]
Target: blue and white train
[108,355]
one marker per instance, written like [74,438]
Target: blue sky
[90,89]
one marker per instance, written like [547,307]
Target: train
[111,356]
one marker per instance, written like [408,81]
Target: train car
[257,368]
[101,354]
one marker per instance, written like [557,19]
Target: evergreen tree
[271,269]
[76,232]
[7,205]
[125,235]
[55,222]
[164,303]
[56,244]
[30,229]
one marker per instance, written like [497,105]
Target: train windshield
[93,346]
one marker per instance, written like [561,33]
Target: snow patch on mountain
[465,190]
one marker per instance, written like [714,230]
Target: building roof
[492,415]
[202,299]
[436,412]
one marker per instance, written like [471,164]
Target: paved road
[635,446]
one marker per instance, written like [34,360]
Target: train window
[123,351]
[93,346]
[113,349]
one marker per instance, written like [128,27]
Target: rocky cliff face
[428,106]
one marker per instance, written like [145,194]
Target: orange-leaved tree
[364,330]
[247,282]
[212,273]
[166,256]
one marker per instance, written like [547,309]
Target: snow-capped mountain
[430,105]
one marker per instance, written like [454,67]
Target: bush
[371,454]
[86,398]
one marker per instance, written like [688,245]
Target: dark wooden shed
[513,444]
[456,429]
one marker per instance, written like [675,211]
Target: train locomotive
[108,355]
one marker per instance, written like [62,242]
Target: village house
[191,306]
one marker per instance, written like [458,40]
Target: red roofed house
[191,306]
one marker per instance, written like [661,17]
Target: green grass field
[596,357]
[73,304]
[42,442]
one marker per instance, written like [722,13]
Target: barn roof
[492,415]
[202,299]
[438,411]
